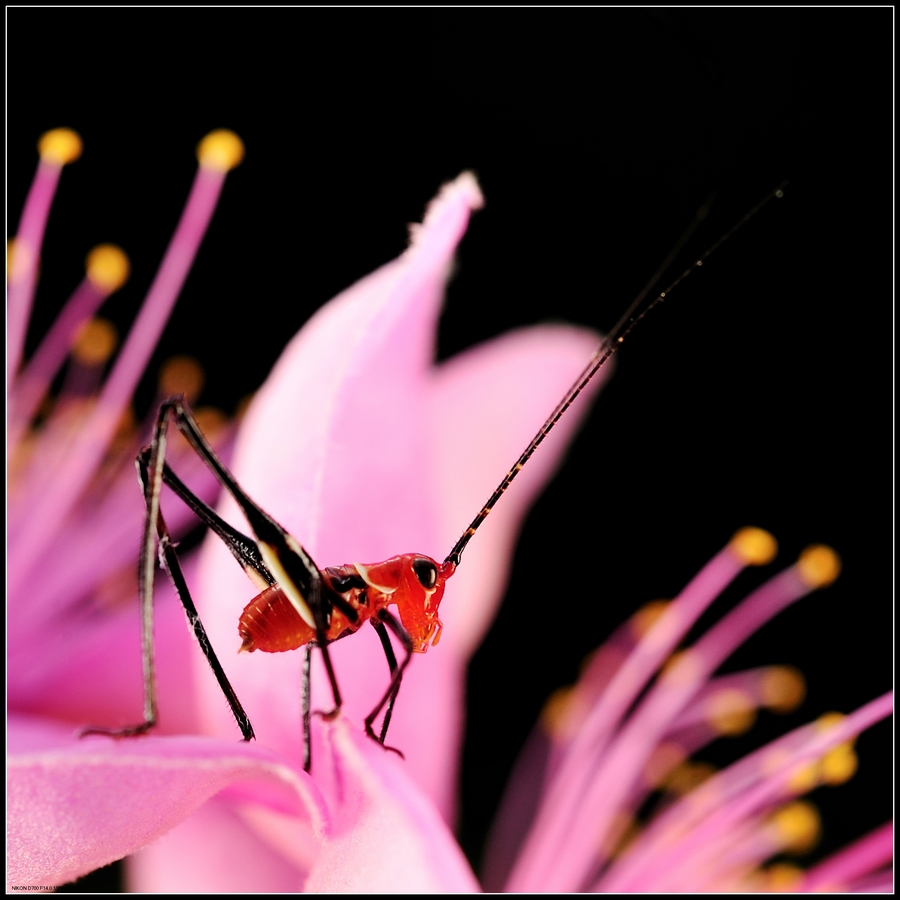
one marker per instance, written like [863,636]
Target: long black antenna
[613,341]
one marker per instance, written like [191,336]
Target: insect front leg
[392,665]
[390,695]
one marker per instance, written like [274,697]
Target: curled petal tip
[451,207]
[465,186]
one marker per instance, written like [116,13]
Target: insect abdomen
[270,623]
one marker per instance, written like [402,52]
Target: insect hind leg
[152,472]
[295,565]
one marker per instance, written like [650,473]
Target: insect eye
[425,571]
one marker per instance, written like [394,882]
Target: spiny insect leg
[392,664]
[173,568]
[152,471]
[305,701]
[243,548]
[392,622]
[295,562]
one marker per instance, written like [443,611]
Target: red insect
[301,605]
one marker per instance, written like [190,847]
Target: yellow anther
[803,778]
[819,566]
[126,433]
[839,764]
[783,878]
[220,150]
[16,260]
[211,421]
[730,711]
[829,720]
[645,617]
[744,880]
[242,406]
[181,375]
[797,826]
[556,712]
[681,668]
[107,267]
[663,761]
[689,775]
[754,546]
[622,831]
[782,688]
[95,343]
[59,146]
[128,422]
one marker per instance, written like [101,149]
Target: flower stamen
[56,148]
[51,507]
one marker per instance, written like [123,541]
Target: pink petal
[486,405]
[386,837]
[75,805]
[335,448]
[214,851]
[97,680]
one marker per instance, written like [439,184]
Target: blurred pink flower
[363,448]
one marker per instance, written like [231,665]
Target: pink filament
[679,838]
[864,856]
[552,831]
[33,383]
[26,253]
[577,816]
[50,508]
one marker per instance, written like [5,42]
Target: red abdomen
[270,623]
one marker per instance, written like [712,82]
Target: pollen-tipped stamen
[56,148]
[565,799]
[61,492]
[744,790]
[107,269]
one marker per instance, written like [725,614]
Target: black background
[754,395]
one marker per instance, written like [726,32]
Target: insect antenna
[637,311]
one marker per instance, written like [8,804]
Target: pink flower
[357,431]
[628,729]
[362,448]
